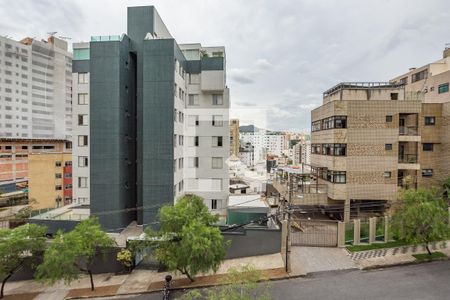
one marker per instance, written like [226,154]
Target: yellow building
[50,179]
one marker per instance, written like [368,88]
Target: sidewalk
[139,281]
[394,256]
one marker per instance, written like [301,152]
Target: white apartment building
[206,130]
[264,143]
[35,89]
[80,128]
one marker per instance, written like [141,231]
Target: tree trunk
[92,280]
[428,248]
[184,272]
[3,283]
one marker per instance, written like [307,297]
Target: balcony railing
[407,159]
[408,130]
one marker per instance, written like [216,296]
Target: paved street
[425,281]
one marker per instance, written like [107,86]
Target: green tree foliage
[17,246]
[73,253]
[239,284]
[446,187]
[421,218]
[188,241]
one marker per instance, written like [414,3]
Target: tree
[18,246]
[422,217]
[188,241]
[73,253]
[446,186]
[239,284]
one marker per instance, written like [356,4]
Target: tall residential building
[234,137]
[369,139]
[35,93]
[150,122]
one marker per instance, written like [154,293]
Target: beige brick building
[234,137]
[368,137]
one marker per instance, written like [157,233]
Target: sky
[281,55]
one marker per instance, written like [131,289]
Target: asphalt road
[427,281]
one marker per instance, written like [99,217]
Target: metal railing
[408,130]
[408,158]
[361,85]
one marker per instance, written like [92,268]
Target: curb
[408,263]
[184,288]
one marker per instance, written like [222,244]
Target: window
[217,162]
[57,164]
[181,140]
[387,174]
[430,121]
[394,96]
[388,119]
[180,163]
[340,149]
[175,115]
[217,141]
[334,176]
[427,147]
[193,121]
[419,76]
[82,182]
[404,80]
[58,175]
[217,120]
[213,204]
[82,77]
[58,187]
[82,161]
[427,172]
[82,120]
[193,162]
[174,140]
[316,148]
[193,100]
[315,126]
[83,99]
[196,141]
[443,88]
[82,140]
[387,146]
[68,163]
[217,99]
[216,184]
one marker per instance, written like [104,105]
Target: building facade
[234,137]
[151,122]
[35,94]
[14,155]
[370,139]
[265,143]
[50,179]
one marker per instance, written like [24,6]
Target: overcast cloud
[281,55]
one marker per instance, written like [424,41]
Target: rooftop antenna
[52,33]
[64,37]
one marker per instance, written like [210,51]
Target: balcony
[408,159]
[408,130]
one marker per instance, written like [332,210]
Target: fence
[369,231]
[322,233]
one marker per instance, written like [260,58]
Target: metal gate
[320,233]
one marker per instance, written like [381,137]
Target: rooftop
[246,201]
[362,86]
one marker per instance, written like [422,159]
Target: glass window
[193,162]
[429,121]
[82,120]
[193,100]
[82,140]
[443,88]
[82,161]
[217,162]
[82,182]
[83,99]
[213,204]
[387,146]
[81,54]
[82,78]
[388,119]
[217,120]
[387,174]
[193,120]
[58,175]
[217,141]
[340,149]
[315,126]
[217,99]
[57,164]
[427,147]
[427,172]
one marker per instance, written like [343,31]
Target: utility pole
[288,214]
